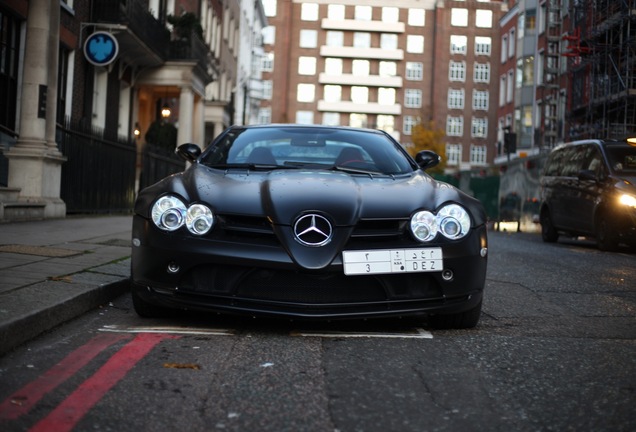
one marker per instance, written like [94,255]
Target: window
[457,71]
[511,44]
[363,13]
[268,86]
[413,98]
[414,71]
[479,127]
[390,14]
[502,90]
[458,44]
[478,155]
[388,68]
[308,39]
[360,67]
[482,72]
[459,17]
[483,45]
[336,12]
[456,98]
[269,6]
[333,93]
[480,100]
[416,17]
[525,71]
[385,123]
[504,48]
[333,66]
[454,126]
[267,64]
[269,35]
[331,118]
[358,120]
[307,65]
[309,12]
[407,124]
[304,117]
[335,38]
[483,18]
[453,154]
[359,95]
[264,115]
[305,93]
[510,86]
[386,96]
[388,41]
[361,40]
[415,44]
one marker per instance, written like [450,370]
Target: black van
[588,188]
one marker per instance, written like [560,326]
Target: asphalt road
[555,350]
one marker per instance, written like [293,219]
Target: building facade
[140,72]
[388,66]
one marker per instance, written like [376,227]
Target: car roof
[307,126]
[599,142]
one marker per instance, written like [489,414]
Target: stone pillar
[199,123]
[186,114]
[35,163]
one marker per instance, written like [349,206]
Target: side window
[594,161]
[553,166]
[573,160]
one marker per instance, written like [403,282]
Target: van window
[554,163]
[622,159]
[573,159]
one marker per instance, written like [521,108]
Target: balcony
[143,40]
[193,49]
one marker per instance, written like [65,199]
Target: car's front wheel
[606,236]
[549,234]
[463,320]
[145,309]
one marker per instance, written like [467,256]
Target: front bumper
[258,277]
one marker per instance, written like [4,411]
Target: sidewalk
[54,270]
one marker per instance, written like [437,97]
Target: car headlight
[199,219]
[169,213]
[452,220]
[628,200]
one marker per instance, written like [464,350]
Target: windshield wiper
[350,170]
[249,166]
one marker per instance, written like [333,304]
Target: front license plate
[392,261]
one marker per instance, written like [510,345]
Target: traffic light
[510,142]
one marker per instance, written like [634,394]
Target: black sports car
[309,222]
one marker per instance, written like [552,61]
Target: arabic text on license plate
[392,261]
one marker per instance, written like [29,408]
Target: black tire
[549,234]
[606,236]
[463,320]
[145,309]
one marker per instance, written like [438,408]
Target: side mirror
[427,159]
[189,152]
[587,175]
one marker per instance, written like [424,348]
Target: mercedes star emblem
[313,230]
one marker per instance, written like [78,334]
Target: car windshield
[350,150]
[622,159]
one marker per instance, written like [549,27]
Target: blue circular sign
[101,48]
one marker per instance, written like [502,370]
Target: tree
[429,137]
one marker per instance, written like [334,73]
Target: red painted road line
[23,400]
[72,409]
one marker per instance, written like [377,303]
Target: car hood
[284,195]
[626,184]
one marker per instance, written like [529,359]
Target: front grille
[307,288]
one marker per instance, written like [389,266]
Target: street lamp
[165,111]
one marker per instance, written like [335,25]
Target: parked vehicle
[309,222]
[588,188]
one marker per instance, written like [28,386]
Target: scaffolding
[552,95]
[602,64]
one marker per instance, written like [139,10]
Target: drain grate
[44,251]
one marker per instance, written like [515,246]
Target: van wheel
[606,236]
[549,234]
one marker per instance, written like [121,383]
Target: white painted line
[417,333]
[172,330]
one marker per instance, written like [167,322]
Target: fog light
[173,267]
[447,275]
[483,252]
